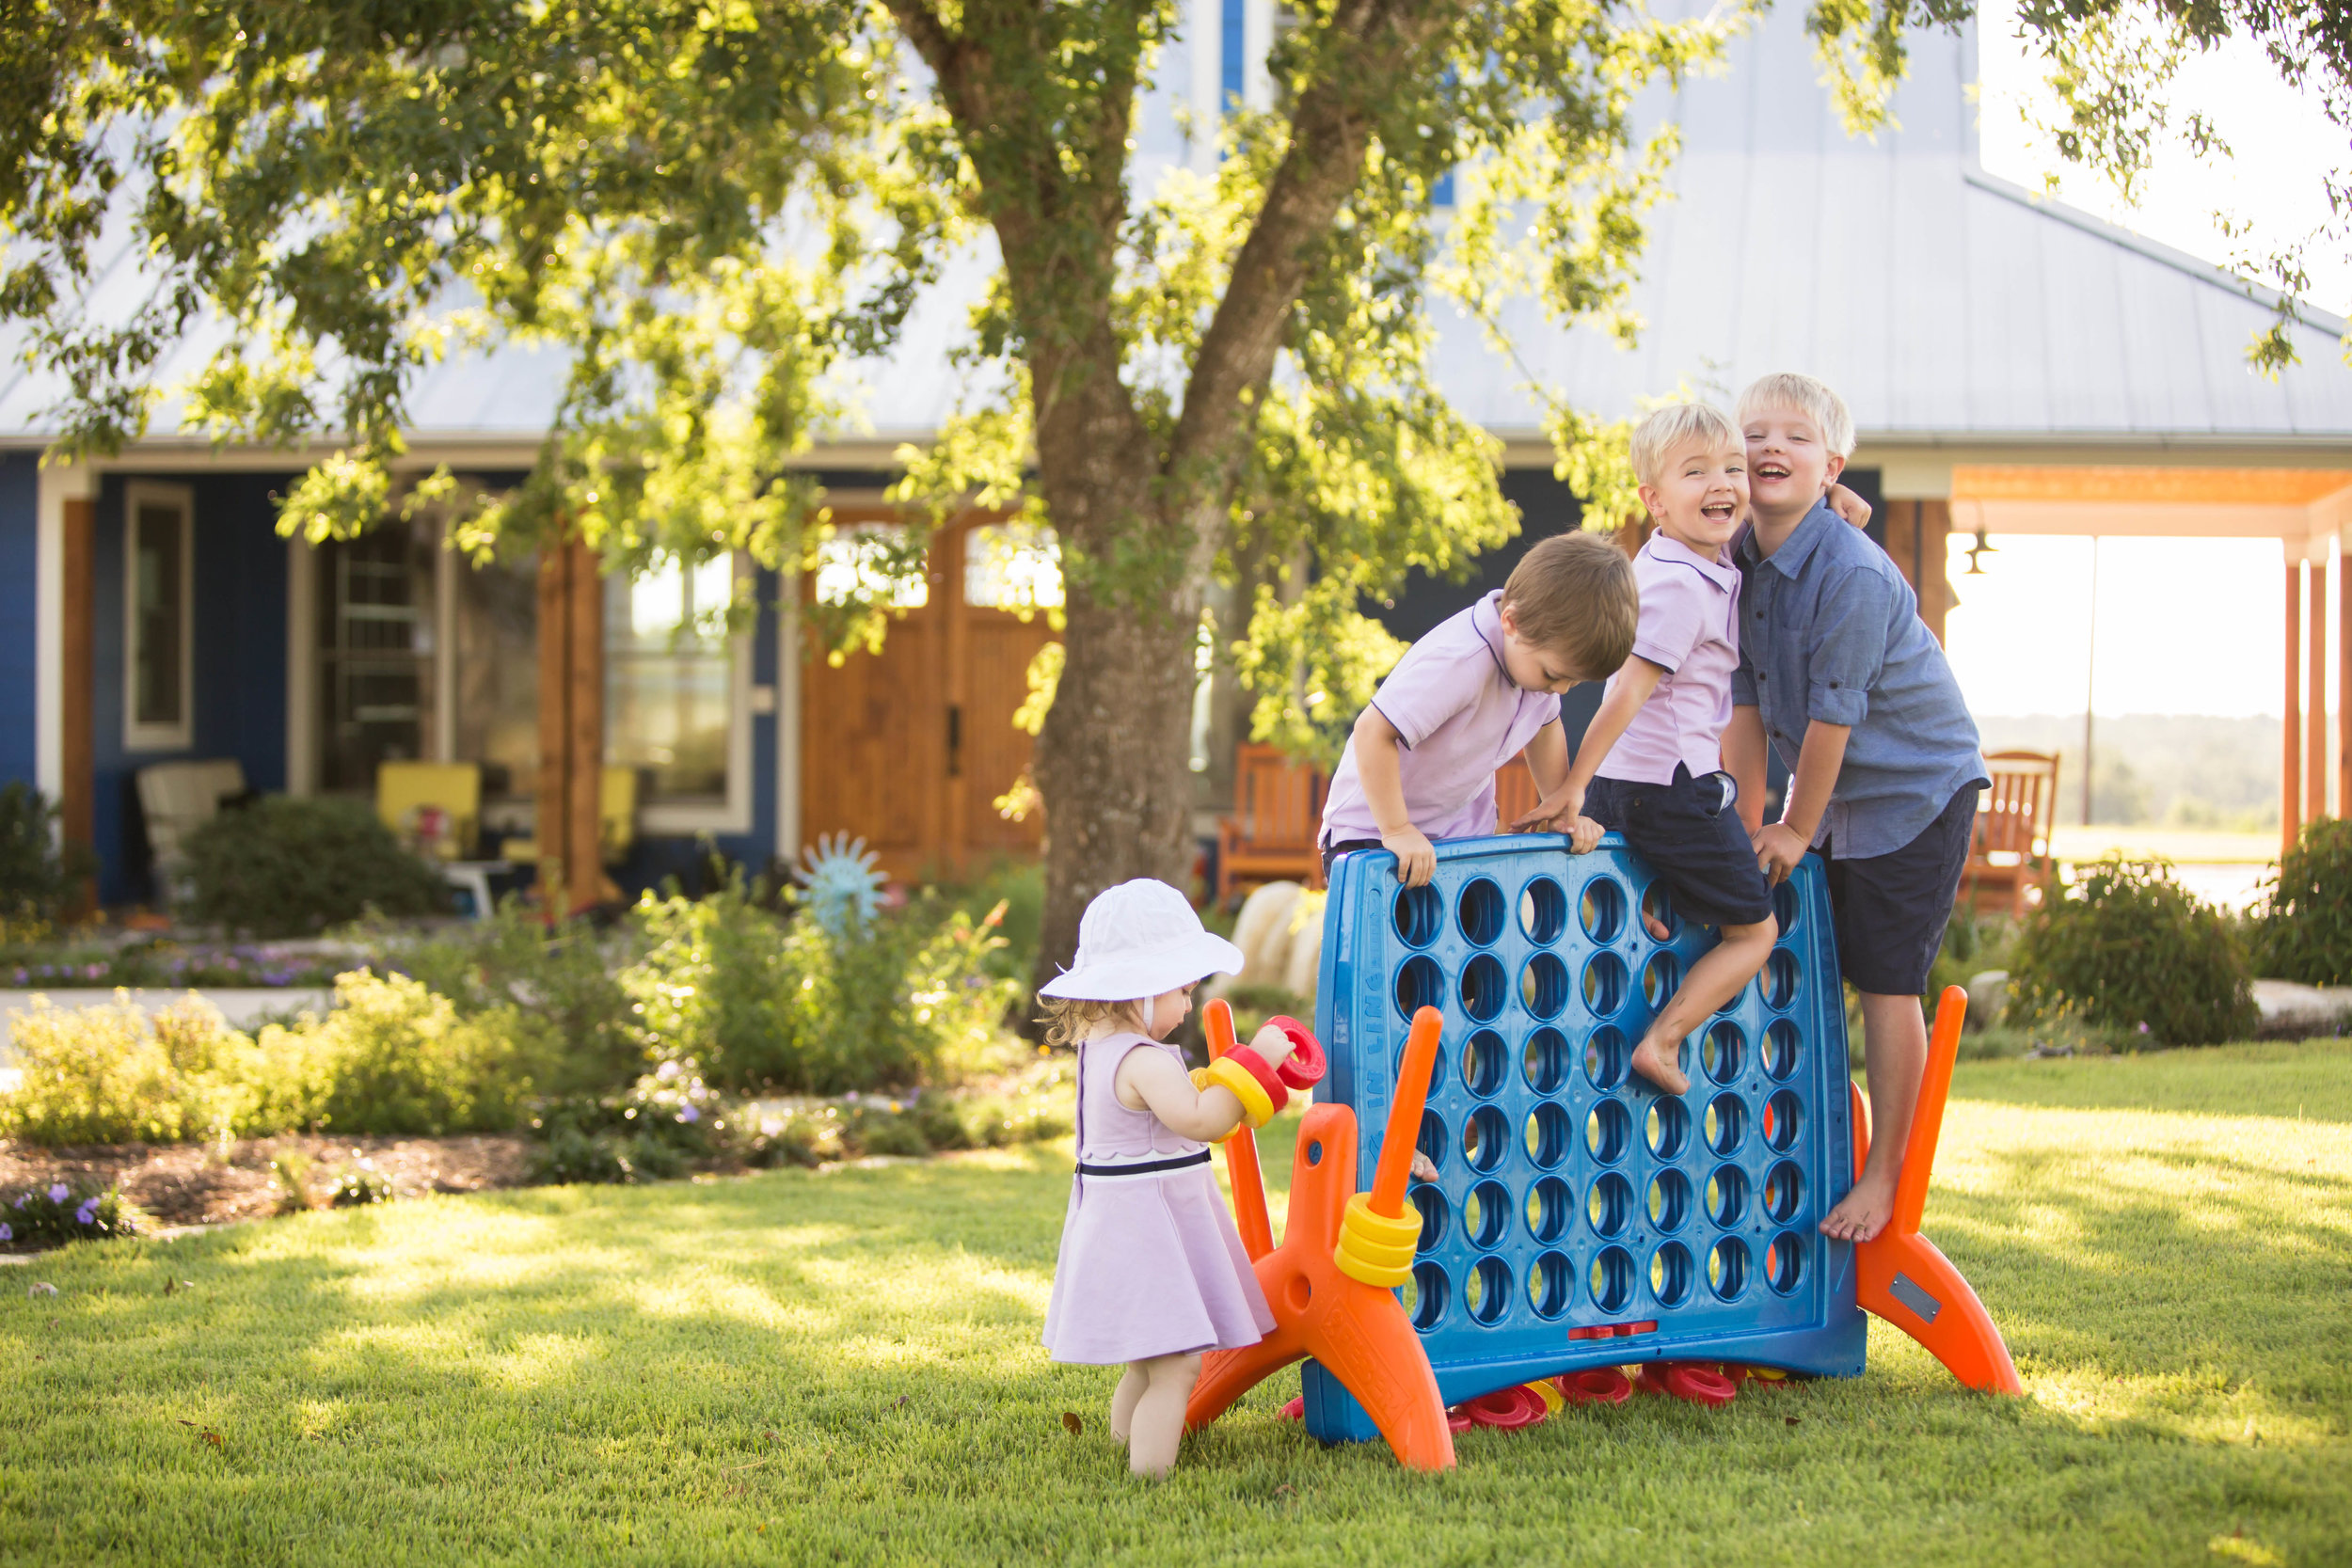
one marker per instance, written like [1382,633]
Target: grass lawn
[844,1366]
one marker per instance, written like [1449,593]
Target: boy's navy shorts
[1890,909]
[1689,834]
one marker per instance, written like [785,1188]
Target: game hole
[1544,1062]
[1660,976]
[1419,914]
[1727,1268]
[1483,987]
[1779,979]
[1420,984]
[1784,1120]
[1784,906]
[1543,911]
[1784,1261]
[1612,1279]
[1604,984]
[1549,1206]
[1602,910]
[1486,1292]
[1483,1138]
[1658,906]
[1425,1296]
[1485,1213]
[1549,1135]
[1607,1130]
[1669,1199]
[1607,1059]
[1552,1284]
[1723,1053]
[1481,1063]
[1727,1195]
[1784,1194]
[1670,1275]
[1431,1140]
[1431,1204]
[1667,1127]
[1727,1122]
[1480,911]
[1609,1206]
[1781,1048]
[1544,985]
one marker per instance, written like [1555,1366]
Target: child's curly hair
[1068,1018]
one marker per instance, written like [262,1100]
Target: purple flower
[21,975]
[690,1113]
[6,1234]
[95,971]
[86,1213]
[59,1193]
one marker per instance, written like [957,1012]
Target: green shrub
[283,866]
[2133,950]
[107,1075]
[53,1213]
[1972,943]
[397,1060]
[666,1121]
[2303,931]
[38,876]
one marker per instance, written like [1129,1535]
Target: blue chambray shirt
[1830,630]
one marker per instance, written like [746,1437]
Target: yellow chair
[617,820]
[408,792]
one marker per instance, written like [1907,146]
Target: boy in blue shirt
[1842,678]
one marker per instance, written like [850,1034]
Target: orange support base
[1900,1275]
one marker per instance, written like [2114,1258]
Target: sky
[2020,641]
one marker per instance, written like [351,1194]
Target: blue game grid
[1570,1194]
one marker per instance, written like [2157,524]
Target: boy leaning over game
[1842,678]
[1467,697]
[1651,762]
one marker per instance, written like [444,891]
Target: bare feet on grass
[1863,1212]
[1657,1062]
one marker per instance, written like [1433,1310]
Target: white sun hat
[1138,940]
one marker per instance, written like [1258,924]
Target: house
[2013,365]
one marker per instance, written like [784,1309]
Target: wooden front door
[910,749]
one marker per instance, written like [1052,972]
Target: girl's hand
[1271,1044]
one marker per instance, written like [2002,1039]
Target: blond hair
[1068,1018]
[1670,429]
[1811,398]
[1573,594]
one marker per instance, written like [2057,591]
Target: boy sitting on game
[1852,689]
[1466,698]
[1651,764]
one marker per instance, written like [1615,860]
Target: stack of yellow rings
[1375,1248]
[1257,1106]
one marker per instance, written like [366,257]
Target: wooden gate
[910,749]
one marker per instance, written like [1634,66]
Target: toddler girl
[1152,1270]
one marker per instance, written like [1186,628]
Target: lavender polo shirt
[1689,628]
[1460,717]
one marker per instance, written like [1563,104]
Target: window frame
[180,735]
[732,815]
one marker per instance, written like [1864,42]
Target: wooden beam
[585,883]
[2147,485]
[949,545]
[2343,682]
[552,806]
[2290,729]
[2316,729]
[77,805]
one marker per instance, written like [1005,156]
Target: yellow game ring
[1554,1401]
[1379,1253]
[1392,1229]
[1257,1106]
[1385,1278]
[1200,1078]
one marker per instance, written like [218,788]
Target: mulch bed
[180,1184]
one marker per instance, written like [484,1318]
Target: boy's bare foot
[1656,1061]
[1863,1212]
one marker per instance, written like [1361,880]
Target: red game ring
[1457,1420]
[1688,1380]
[1595,1386]
[1304,1068]
[1508,1409]
[1296,1410]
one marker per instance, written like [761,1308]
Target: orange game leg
[1240,1150]
[1900,1275]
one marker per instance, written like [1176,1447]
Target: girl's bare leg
[1714,980]
[1132,1382]
[1156,1424]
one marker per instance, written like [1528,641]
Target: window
[494,691]
[677,694]
[1011,567]
[159,662]
[377,647]
[872,561]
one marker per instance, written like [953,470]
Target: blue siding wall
[19,524]
[240,642]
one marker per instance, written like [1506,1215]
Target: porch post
[571,726]
[77,783]
[551,806]
[2344,682]
[2316,732]
[2291,748]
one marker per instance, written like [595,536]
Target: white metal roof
[1945,305]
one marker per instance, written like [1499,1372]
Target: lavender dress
[1150,1263]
